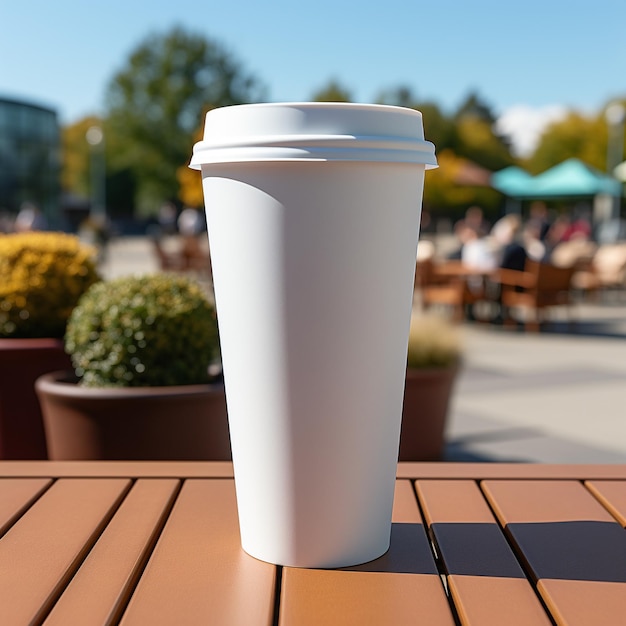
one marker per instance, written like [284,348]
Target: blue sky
[525,59]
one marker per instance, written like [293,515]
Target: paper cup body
[313,267]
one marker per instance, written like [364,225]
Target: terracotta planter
[142,423]
[22,361]
[426,399]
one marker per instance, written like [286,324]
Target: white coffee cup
[313,214]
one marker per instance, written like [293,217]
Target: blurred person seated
[579,228]
[539,221]
[554,236]
[29,218]
[479,252]
[472,224]
[474,218]
[506,234]
[190,222]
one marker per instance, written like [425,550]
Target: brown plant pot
[143,423]
[426,400]
[22,361]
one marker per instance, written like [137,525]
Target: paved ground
[549,397]
[554,396]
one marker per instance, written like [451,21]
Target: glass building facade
[30,158]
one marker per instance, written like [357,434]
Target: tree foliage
[575,136]
[445,190]
[463,140]
[332,92]
[474,106]
[190,183]
[157,101]
[401,96]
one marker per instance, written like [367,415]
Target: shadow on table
[409,553]
[576,550]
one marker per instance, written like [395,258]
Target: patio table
[149,543]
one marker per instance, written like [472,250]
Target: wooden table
[157,543]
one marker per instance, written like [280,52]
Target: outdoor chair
[540,287]
[169,261]
[437,291]
[188,256]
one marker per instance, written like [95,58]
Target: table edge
[223,469]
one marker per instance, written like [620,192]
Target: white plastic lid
[314,131]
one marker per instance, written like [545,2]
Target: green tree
[475,106]
[157,101]
[438,127]
[477,141]
[575,136]
[463,141]
[401,96]
[332,92]
[475,138]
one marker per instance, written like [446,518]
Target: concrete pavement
[549,397]
[554,396]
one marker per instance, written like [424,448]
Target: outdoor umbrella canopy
[574,178]
[571,178]
[512,181]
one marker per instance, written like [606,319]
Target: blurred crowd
[510,240]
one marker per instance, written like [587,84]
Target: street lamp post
[615,115]
[95,138]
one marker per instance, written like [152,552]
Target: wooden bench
[540,287]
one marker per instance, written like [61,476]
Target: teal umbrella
[512,181]
[570,179]
[574,178]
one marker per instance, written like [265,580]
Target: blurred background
[101,103]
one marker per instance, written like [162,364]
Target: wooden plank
[483,602]
[401,587]
[221,469]
[333,597]
[99,591]
[40,553]
[198,573]
[541,501]
[16,495]
[612,496]
[486,582]
[585,603]
[573,547]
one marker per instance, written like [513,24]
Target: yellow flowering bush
[143,331]
[42,276]
[433,342]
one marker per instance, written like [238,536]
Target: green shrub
[157,330]
[433,342]
[42,276]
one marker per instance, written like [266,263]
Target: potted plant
[43,276]
[433,361]
[141,348]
